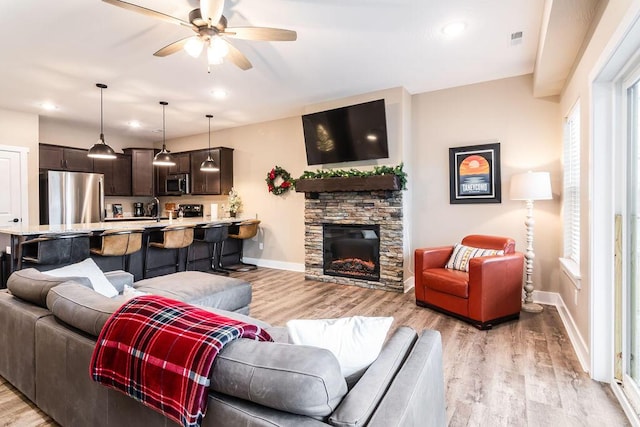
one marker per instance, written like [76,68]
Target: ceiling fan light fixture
[219,47]
[163,158]
[209,165]
[194,46]
[100,150]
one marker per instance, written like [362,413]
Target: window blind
[571,185]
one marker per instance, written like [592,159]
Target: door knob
[16,220]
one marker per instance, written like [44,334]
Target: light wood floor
[523,373]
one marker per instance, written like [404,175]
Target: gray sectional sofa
[49,328]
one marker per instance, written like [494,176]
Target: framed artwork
[474,174]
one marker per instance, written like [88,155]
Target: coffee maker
[138,209]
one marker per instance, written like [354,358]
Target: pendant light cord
[101,127]
[163,129]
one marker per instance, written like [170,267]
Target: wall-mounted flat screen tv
[346,134]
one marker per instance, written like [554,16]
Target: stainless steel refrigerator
[71,197]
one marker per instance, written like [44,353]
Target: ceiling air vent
[516,38]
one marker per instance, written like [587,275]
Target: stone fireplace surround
[357,207]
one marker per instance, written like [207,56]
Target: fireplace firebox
[351,250]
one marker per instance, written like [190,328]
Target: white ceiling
[58,50]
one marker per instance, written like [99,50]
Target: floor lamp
[530,186]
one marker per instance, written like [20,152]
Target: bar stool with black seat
[54,249]
[120,243]
[174,237]
[213,235]
[245,230]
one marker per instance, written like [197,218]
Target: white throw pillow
[461,255]
[130,292]
[355,341]
[90,270]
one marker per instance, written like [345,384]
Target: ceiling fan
[211,31]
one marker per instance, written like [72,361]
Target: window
[571,187]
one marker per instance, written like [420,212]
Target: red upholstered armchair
[491,292]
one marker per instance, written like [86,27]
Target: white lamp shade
[531,186]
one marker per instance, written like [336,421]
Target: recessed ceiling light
[453,29]
[48,106]
[134,124]
[219,93]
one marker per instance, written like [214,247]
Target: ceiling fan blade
[211,10]
[148,12]
[261,33]
[237,57]
[173,47]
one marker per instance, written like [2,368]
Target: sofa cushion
[196,287]
[33,286]
[302,380]
[87,268]
[355,341]
[358,405]
[82,307]
[119,279]
[461,255]
[452,282]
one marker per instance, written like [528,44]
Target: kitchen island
[11,237]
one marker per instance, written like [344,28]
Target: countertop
[20,230]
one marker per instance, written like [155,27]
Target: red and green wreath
[279,181]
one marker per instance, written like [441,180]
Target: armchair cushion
[452,282]
[461,255]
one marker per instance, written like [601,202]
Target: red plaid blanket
[160,352]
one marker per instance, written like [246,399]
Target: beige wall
[58,132]
[21,130]
[529,132]
[615,19]
[260,147]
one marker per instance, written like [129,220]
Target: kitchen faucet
[157,202]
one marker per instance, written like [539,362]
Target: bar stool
[54,249]
[173,237]
[120,243]
[212,235]
[246,230]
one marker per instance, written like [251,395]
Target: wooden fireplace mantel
[357,183]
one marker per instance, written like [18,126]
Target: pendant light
[100,149]
[163,158]
[209,165]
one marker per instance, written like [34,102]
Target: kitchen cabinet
[56,157]
[142,176]
[212,183]
[183,165]
[117,174]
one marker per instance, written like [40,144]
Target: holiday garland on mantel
[342,173]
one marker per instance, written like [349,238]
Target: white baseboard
[579,345]
[409,284]
[278,265]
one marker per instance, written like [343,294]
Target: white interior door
[13,186]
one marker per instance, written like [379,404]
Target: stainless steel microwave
[177,184]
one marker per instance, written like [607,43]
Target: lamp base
[532,307]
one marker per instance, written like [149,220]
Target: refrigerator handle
[101,196]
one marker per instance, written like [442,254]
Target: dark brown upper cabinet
[142,176]
[212,183]
[117,174]
[56,157]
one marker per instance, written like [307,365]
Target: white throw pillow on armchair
[355,341]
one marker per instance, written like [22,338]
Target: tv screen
[356,132]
